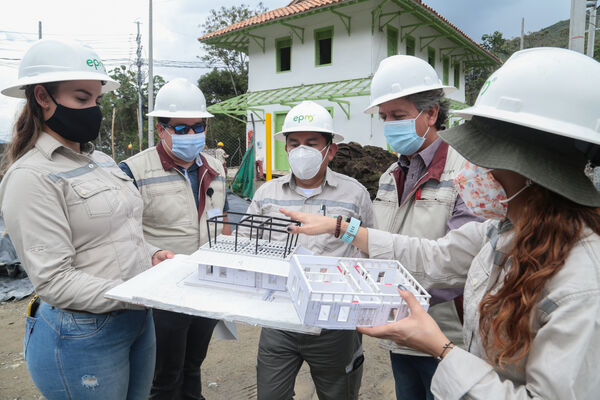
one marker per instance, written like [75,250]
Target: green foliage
[125,103]
[217,87]
[556,35]
[233,61]
[229,80]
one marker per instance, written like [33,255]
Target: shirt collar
[330,179]
[166,160]
[426,154]
[48,144]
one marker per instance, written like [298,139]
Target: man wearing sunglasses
[181,189]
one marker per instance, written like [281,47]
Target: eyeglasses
[182,129]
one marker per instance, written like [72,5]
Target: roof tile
[300,6]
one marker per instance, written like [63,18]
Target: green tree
[124,101]
[217,87]
[476,75]
[228,79]
[233,61]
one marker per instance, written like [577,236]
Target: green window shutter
[431,56]
[446,70]
[283,50]
[323,46]
[457,75]
[410,45]
[392,41]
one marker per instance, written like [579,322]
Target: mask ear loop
[427,131]
[528,183]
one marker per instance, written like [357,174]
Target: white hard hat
[50,60]
[180,98]
[549,89]
[308,116]
[399,76]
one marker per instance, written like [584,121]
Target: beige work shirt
[76,222]
[563,360]
[338,195]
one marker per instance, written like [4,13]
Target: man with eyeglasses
[181,189]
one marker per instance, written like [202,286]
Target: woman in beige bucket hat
[531,272]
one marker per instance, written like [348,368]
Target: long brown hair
[27,129]
[548,228]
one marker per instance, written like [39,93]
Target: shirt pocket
[95,195]
[326,243]
[169,204]
[384,213]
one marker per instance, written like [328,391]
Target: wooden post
[112,134]
[269,149]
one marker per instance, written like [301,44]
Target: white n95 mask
[306,161]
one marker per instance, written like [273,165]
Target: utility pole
[139,83]
[150,79]
[577,26]
[112,135]
[39,29]
[592,26]
[522,33]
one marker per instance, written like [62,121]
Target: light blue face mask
[402,135]
[187,147]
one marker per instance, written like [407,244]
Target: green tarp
[243,183]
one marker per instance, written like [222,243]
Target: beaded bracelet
[447,346]
[338,226]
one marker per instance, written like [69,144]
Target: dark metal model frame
[258,224]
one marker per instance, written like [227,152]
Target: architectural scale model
[327,292]
[343,293]
[249,257]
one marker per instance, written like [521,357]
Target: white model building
[259,264]
[326,292]
[343,293]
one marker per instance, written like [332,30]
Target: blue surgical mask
[187,147]
[402,135]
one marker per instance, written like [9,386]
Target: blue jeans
[413,376]
[76,355]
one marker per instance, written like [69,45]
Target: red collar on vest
[434,171]
[166,160]
[439,162]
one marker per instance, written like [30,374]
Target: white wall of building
[353,56]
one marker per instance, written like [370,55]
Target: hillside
[556,35]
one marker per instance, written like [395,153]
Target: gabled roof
[237,36]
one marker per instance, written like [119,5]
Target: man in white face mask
[335,357]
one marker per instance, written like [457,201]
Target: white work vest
[170,218]
[426,217]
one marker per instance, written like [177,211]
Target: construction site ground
[228,373]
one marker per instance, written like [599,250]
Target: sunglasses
[182,129]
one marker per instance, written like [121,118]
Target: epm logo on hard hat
[300,118]
[92,62]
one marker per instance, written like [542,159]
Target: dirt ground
[228,373]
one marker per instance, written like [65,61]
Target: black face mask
[80,125]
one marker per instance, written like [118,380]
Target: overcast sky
[109,27]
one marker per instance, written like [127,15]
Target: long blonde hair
[27,129]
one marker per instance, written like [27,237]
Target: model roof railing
[253,225]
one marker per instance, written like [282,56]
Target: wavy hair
[549,227]
[27,129]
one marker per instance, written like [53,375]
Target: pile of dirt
[365,164]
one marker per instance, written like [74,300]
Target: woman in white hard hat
[532,272]
[76,223]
